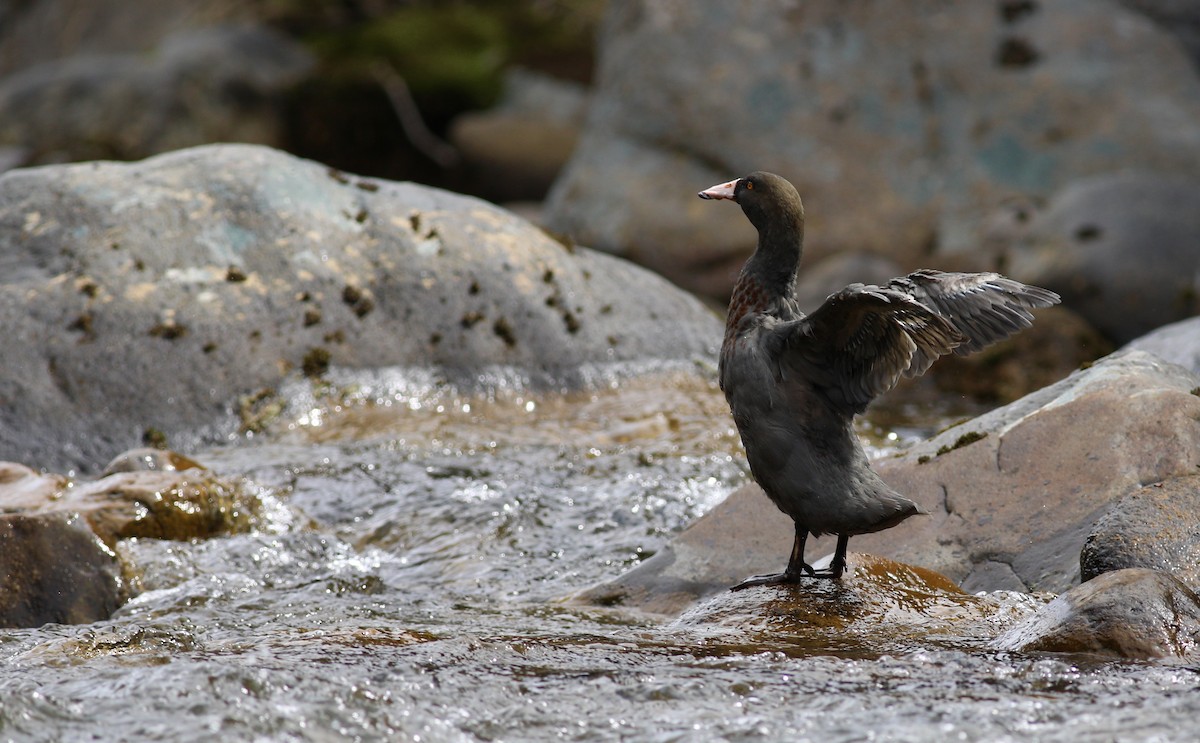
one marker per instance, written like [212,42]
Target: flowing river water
[405,581]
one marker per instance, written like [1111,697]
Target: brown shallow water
[404,583]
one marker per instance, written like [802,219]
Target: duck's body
[795,382]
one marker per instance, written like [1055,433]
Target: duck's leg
[837,565]
[797,568]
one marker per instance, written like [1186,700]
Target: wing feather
[983,307]
[859,343]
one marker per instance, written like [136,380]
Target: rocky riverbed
[438,474]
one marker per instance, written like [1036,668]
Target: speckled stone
[162,299]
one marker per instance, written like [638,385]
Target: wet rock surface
[157,505]
[880,604]
[1132,613]
[1013,494]
[1155,527]
[898,155]
[54,569]
[59,536]
[137,460]
[168,299]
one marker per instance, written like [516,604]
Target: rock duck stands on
[795,382]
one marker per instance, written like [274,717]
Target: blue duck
[794,382]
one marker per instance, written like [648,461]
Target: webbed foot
[786,578]
[829,573]
[797,569]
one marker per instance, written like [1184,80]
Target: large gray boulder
[902,125]
[143,300]
[1178,343]
[1121,249]
[1013,494]
[33,32]
[225,83]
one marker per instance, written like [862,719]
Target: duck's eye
[749,185]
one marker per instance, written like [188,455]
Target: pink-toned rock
[1012,494]
[1028,492]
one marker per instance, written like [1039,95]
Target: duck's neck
[770,274]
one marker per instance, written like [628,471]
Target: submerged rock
[167,300]
[1134,613]
[159,503]
[23,488]
[53,568]
[666,570]
[136,460]
[879,607]
[1012,494]
[58,535]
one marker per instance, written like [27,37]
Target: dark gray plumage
[795,382]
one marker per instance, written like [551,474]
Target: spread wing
[859,343]
[984,307]
[861,340]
